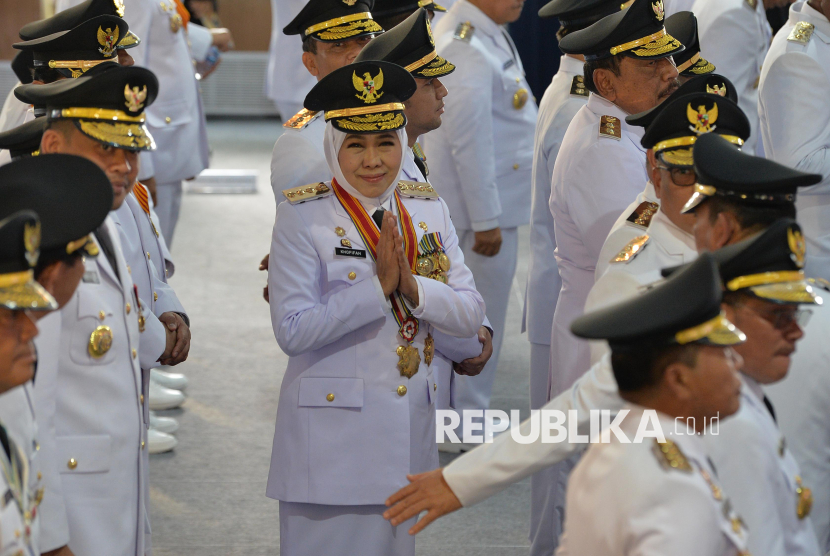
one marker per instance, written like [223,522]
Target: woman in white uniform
[360,278]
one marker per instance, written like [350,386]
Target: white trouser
[494,278]
[324,530]
[169,202]
[545,521]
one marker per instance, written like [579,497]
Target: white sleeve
[200,40]
[490,468]
[296,162]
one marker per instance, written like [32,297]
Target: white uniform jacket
[298,157]
[796,126]
[99,425]
[735,36]
[287,80]
[761,474]
[176,119]
[481,156]
[18,537]
[632,223]
[349,426]
[599,171]
[13,114]
[802,404]
[563,98]
[627,499]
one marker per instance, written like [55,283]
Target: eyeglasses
[783,318]
[680,175]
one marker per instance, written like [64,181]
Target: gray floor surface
[208,496]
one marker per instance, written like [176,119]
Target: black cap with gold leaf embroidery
[389,8]
[334,20]
[76,51]
[409,44]
[684,309]
[74,16]
[71,195]
[723,170]
[19,253]
[683,26]
[24,140]
[712,83]
[682,120]
[107,106]
[363,97]
[578,14]
[637,31]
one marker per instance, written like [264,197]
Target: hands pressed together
[393,267]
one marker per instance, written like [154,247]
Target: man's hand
[388,266]
[426,492]
[264,266]
[474,365]
[488,242]
[222,39]
[408,286]
[152,187]
[180,348]
[62,551]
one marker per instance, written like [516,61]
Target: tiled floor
[208,496]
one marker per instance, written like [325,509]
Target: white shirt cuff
[384,301]
[419,310]
[485,225]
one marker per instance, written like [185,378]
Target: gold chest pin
[345,242]
[339,231]
[100,341]
[408,360]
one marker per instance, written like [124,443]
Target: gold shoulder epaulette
[301,119]
[305,193]
[630,251]
[609,126]
[670,456]
[641,216]
[417,189]
[464,32]
[578,86]
[802,32]
[752,3]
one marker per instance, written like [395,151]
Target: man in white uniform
[796,127]
[481,160]
[602,166]
[287,80]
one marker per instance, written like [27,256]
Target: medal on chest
[433,261]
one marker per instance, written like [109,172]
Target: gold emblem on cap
[702,120]
[350,3]
[119,7]
[429,34]
[100,341]
[798,246]
[31,240]
[717,89]
[658,9]
[108,40]
[135,98]
[368,87]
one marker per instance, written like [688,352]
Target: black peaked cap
[24,140]
[686,300]
[625,33]
[389,8]
[409,44]
[363,97]
[71,195]
[319,12]
[94,39]
[579,13]
[713,83]
[68,19]
[693,115]
[683,27]
[22,65]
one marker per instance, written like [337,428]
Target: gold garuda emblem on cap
[702,120]
[135,98]
[31,240]
[108,40]
[429,34]
[798,246]
[119,7]
[717,89]
[368,87]
[658,10]
[350,3]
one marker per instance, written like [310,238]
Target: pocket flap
[90,305]
[84,454]
[331,392]
[341,270]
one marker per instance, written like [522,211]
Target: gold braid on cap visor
[690,140]
[718,331]
[345,27]
[109,126]
[367,119]
[787,286]
[685,65]
[652,45]
[19,291]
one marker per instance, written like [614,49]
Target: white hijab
[334,139]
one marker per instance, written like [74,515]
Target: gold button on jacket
[402,390]
[330,397]
[73,463]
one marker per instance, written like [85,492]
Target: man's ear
[605,84]
[654,172]
[677,379]
[310,63]
[52,142]
[725,228]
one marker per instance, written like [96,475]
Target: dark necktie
[770,408]
[106,245]
[422,166]
[378,217]
[4,440]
